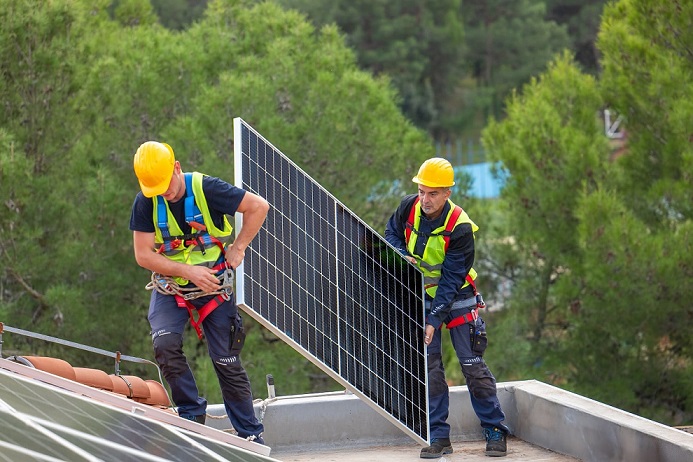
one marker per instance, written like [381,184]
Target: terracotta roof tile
[94,378]
[53,365]
[148,392]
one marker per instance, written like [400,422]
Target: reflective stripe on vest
[431,262]
[205,245]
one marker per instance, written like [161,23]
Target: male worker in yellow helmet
[182,234]
[438,236]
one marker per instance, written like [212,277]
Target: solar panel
[327,284]
[43,422]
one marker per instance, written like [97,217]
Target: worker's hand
[234,255]
[204,278]
[428,336]
[411,259]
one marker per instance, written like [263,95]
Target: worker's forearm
[252,222]
[157,263]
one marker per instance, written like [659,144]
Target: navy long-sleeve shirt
[459,257]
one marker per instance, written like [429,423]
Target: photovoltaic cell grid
[54,424]
[332,288]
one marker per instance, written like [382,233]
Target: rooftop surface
[468,451]
[51,411]
[548,424]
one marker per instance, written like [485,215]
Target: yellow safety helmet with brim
[154,163]
[435,173]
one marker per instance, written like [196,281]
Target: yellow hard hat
[435,173]
[154,163]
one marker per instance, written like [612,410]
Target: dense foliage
[80,91]
[588,250]
[601,234]
[453,62]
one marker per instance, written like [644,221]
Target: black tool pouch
[237,339]
[479,340]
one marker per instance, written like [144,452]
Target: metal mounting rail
[117,355]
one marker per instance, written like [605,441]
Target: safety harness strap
[192,211]
[207,308]
[162,222]
[200,237]
[202,312]
[449,226]
[478,301]
[192,215]
[470,317]
[410,221]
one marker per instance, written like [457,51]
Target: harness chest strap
[449,226]
[194,218]
[200,237]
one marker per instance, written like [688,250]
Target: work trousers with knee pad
[168,322]
[480,382]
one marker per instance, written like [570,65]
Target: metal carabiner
[227,283]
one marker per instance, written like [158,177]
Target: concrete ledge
[321,421]
[538,413]
[589,430]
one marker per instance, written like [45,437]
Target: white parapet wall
[538,413]
[589,430]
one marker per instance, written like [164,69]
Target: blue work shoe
[496,445]
[438,447]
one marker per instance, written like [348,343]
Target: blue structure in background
[484,184]
[468,156]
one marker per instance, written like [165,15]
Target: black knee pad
[235,384]
[437,385]
[168,350]
[480,380]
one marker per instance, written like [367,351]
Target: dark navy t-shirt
[222,198]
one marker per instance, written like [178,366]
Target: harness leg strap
[202,312]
